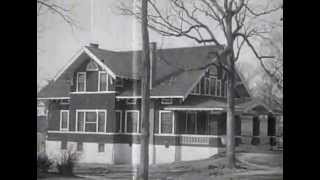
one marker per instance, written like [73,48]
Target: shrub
[43,163]
[67,162]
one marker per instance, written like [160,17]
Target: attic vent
[92,66]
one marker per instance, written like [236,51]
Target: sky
[58,42]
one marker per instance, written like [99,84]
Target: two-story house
[94,106]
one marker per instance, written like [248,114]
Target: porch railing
[195,140]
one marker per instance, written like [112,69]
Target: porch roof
[207,103]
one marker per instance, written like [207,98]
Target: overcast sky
[58,43]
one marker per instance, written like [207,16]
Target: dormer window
[92,66]
[81,81]
[103,81]
[166,101]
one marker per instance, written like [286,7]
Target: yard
[251,166]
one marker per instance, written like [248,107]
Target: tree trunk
[230,95]
[230,121]
[145,91]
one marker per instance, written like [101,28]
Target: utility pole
[145,92]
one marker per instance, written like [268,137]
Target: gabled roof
[173,76]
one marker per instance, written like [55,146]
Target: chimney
[95,45]
[153,63]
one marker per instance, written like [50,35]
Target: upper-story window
[81,81]
[103,81]
[92,66]
[210,86]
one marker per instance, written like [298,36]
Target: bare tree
[144,155]
[206,21]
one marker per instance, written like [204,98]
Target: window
[207,86]
[131,101]
[101,147]
[103,81]
[166,101]
[92,66]
[132,121]
[79,146]
[91,120]
[166,122]
[64,144]
[218,87]
[191,125]
[64,120]
[213,81]
[81,81]
[119,121]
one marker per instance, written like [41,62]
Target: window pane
[64,120]
[81,82]
[101,147]
[207,86]
[213,124]
[80,121]
[91,127]
[103,81]
[218,87]
[101,122]
[213,86]
[90,116]
[118,121]
[166,122]
[79,146]
[132,121]
[202,86]
[64,144]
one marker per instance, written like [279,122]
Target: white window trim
[107,88]
[92,61]
[97,123]
[134,101]
[119,111]
[64,129]
[85,81]
[173,121]
[163,101]
[125,121]
[196,121]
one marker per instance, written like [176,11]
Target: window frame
[96,66]
[107,79]
[85,82]
[104,147]
[97,123]
[78,145]
[172,119]
[126,121]
[64,111]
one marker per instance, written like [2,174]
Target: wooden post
[145,91]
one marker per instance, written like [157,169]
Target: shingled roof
[173,75]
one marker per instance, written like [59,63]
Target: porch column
[264,139]
[246,128]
